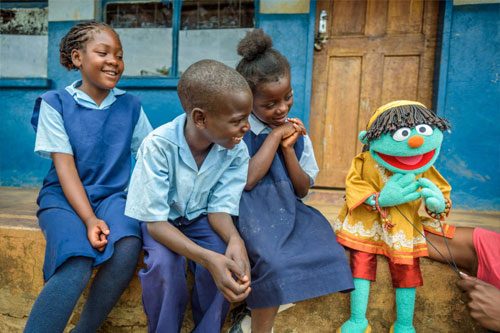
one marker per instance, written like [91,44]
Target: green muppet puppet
[385,187]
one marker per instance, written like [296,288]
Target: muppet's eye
[401,134]
[424,129]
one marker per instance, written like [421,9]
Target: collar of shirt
[176,136]
[85,100]
[257,126]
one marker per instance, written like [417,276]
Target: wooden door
[378,51]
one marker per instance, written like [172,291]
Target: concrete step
[439,306]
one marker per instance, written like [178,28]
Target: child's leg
[210,308]
[56,301]
[263,319]
[164,286]
[109,283]
[364,269]
[405,278]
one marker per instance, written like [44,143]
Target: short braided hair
[76,38]
[261,63]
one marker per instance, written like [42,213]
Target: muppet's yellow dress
[360,227]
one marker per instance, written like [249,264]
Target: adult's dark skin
[483,299]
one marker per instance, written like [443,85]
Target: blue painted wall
[469,96]
[19,166]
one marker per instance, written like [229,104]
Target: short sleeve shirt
[307,160]
[51,136]
[166,183]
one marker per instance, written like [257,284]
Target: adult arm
[97,229]
[461,247]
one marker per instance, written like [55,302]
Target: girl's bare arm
[261,162]
[77,198]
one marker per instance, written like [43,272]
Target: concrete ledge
[439,305]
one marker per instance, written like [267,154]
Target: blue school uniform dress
[167,185]
[292,248]
[101,140]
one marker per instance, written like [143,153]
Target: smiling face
[228,124]
[100,63]
[272,101]
[407,150]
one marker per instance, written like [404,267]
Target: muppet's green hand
[433,198]
[399,189]
[371,200]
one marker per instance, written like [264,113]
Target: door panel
[378,51]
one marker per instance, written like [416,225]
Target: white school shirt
[51,136]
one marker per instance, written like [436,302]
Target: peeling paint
[24,21]
[461,167]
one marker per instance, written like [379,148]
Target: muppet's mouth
[408,162]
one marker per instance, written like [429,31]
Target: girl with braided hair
[90,130]
[292,248]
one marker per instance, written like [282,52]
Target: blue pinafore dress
[292,248]
[101,141]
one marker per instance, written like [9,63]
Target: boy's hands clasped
[234,263]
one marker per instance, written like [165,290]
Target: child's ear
[76,57]
[199,117]
[362,137]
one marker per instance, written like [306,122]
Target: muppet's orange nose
[415,141]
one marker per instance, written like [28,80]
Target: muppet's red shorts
[364,266]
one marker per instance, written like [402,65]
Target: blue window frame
[179,16]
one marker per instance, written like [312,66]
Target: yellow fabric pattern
[388,106]
[360,227]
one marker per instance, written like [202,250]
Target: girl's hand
[286,130]
[299,124]
[288,142]
[97,233]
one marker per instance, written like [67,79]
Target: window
[162,38]
[23,39]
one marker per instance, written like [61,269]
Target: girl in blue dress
[90,130]
[292,248]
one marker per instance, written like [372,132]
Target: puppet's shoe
[351,327]
[395,328]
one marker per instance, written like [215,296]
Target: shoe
[368,329]
[240,317]
[391,330]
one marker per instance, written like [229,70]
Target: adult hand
[484,301]
[97,233]
[222,268]
[433,198]
[399,189]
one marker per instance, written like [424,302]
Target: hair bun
[255,43]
